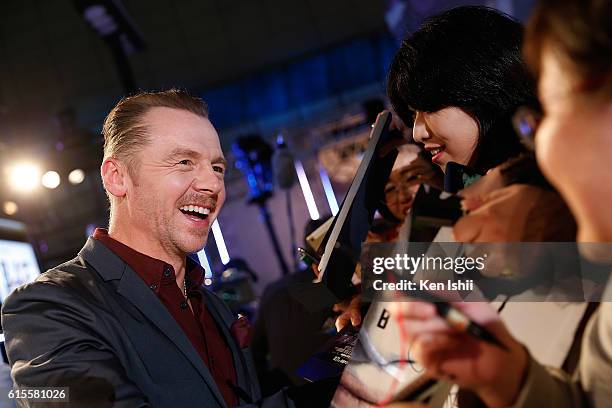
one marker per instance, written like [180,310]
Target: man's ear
[114,177]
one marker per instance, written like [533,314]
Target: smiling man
[127,322]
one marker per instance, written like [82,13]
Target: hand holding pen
[492,365]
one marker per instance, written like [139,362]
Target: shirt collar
[151,270]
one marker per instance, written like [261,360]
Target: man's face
[176,190]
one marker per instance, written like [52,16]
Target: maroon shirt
[199,326]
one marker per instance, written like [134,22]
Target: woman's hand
[351,313]
[495,374]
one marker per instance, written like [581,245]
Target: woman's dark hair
[581,30]
[469,58]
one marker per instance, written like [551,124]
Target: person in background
[569,45]
[399,194]
[401,188]
[457,81]
[286,332]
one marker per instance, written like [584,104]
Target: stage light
[111,20]
[329,191]
[310,201]
[206,265]
[76,176]
[225,258]
[24,177]
[10,207]
[100,20]
[51,179]
[90,229]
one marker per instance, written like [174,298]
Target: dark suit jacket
[93,325]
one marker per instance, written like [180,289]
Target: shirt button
[167,272]
[153,286]
[184,305]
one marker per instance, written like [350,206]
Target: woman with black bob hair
[569,46]
[459,78]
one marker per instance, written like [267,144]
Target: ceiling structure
[51,58]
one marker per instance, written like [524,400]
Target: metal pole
[265,215]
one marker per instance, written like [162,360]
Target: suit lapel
[131,287]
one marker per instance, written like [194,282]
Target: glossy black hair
[470,58]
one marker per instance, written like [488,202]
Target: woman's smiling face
[449,134]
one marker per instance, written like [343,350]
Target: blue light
[205,264]
[223,254]
[329,191]
[310,201]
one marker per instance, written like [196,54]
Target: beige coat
[590,386]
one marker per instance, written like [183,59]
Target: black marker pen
[460,322]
